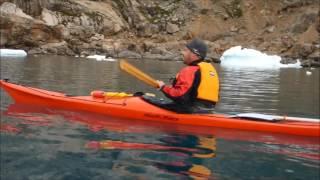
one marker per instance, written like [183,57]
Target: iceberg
[101,58]
[238,57]
[12,53]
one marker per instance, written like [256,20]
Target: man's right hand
[161,84]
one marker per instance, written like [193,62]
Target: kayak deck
[136,108]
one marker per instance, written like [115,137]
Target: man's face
[188,56]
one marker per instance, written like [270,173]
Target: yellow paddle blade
[124,65]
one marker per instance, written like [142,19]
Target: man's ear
[194,56]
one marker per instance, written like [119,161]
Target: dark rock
[288,60]
[32,7]
[172,28]
[36,51]
[147,30]
[233,9]
[214,59]
[318,22]
[287,41]
[303,50]
[169,56]
[159,50]
[291,4]
[129,54]
[303,22]
[311,62]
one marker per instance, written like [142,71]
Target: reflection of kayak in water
[97,122]
[203,148]
[39,116]
[9,128]
[138,109]
[109,144]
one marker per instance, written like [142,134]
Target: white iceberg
[12,53]
[238,57]
[101,58]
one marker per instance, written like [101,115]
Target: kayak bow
[132,107]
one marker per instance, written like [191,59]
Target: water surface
[42,143]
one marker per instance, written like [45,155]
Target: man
[196,87]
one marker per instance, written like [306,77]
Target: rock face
[158,29]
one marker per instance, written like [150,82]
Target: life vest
[209,84]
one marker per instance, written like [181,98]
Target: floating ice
[101,58]
[308,73]
[238,57]
[12,53]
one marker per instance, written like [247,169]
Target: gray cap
[198,47]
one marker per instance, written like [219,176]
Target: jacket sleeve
[183,83]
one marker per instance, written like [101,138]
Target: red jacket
[184,87]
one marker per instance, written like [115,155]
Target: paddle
[124,65]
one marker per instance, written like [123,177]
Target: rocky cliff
[159,29]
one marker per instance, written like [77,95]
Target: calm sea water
[42,143]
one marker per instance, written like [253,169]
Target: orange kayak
[136,108]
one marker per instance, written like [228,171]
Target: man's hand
[161,84]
